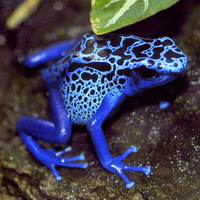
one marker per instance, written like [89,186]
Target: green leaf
[109,15]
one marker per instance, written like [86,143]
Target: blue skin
[89,84]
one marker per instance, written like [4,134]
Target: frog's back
[97,52]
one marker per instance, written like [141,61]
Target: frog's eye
[146,73]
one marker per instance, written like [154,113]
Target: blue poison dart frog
[88,85]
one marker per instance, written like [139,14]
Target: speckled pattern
[100,64]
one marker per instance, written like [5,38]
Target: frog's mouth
[144,84]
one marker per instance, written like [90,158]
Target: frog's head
[157,62]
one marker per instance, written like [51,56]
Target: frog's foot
[51,159]
[118,167]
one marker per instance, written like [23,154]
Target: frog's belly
[82,100]
[80,108]
[79,115]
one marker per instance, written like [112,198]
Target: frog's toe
[132,149]
[55,173]
[75,158]
[59,153]
[130,184]
[147,170]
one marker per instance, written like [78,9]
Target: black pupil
[143,72]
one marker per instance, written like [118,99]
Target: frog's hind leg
[52,52]
[57,130]
[114,164]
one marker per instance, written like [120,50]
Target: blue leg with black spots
[58,130]
[113,164]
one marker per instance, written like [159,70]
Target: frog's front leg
[56,130]
[52,52]
[113,164]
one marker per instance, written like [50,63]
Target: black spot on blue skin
[177,50]
[123,58]
[101,43]
[87,76]
[112,60]
[100,66]
[88,50]
[120,62]
[67,90]
[88,58]
[116,41]
[102,79]
[80,81]
[120,51]
[126,72]
[119,87]
[104,53]
[129,42]
[136,60]
[139,49]
[92,92]
[89,69]
[110,76]
[151,63]
[75,55]
[90,44]
[159,67]
[175,65]
[73,87]
[111,84]
[78,88]
[157,52]
[171,54]
[98,88]
[85,90]
[74,77]
[157,43]
[85,99]
[122,80]
[166,42]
